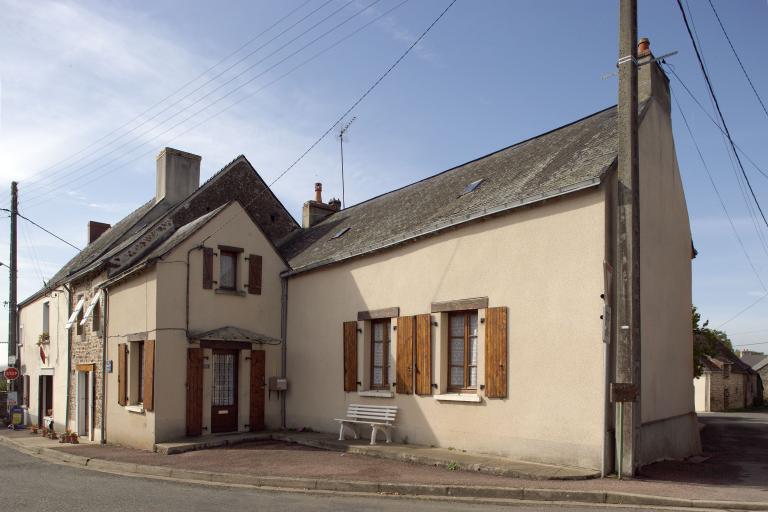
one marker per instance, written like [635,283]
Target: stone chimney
[315,211]
[651,79]
[178,175]
[96,229]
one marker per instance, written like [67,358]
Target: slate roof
[752,358]
[566,159]
[153,226]
[724,355]
[760,364]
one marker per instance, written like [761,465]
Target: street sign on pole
[11,360]
[11,373]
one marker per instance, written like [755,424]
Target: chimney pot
[319,192]
[178,175]
[335,204]
[643,47]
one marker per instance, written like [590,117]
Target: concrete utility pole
[12,313]
[626,389]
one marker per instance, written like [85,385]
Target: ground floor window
[137,370]
[462,350]
[380,354]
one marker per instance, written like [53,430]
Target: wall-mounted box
[278,384]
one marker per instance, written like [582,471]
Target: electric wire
[32,254]
[719,111]
[717,193]
[216,101]
[342,116]
[734,317]
[175,92]
[738,59]
[232,105]
[61,178]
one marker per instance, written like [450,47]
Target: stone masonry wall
[86,349]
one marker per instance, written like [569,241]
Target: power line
[755,303]
[735,54]
[33,255]
[751,344]
[671,69]
[717,193]
[344,115]
[61,178]
[719,111]
[227,94]
[247,96]
[44,229]
[201,75]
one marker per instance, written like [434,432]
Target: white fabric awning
[74,314]
[92,305]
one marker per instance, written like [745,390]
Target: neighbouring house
[133,286]
[761,367]
[726,382]
[216,312]
[751,357]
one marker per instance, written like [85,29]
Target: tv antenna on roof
[342,133]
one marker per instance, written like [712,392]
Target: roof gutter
[451,222]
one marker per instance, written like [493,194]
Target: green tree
[705,341]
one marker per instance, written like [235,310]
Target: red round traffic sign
[11,373]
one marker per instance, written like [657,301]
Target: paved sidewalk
[424,455]
[273,463]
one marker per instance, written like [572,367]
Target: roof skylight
[340,233]
[472,186]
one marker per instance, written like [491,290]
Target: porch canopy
[231,335]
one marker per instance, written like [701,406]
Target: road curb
[424,491]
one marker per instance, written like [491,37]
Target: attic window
[340,233]
[472,186]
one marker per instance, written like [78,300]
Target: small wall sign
[108,367]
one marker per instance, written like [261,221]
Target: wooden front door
[224,398]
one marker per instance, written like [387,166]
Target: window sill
[376,394]
[222,291]
[459,397]
[136,409]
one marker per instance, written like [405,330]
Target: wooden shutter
[122,374]
[350,356]
[207,268]
[406,326]
[194,391]
[254,274]
[149,375]
[424,354]
[258,358]
[496,352]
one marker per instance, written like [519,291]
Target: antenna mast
[343,130]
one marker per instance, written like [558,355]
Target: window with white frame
[462,350]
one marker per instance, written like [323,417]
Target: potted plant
[52,434]
[33,429]
[44,432]
[73,438]
[43,338]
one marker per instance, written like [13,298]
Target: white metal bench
[379,417]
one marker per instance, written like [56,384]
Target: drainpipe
[69,356]
[103,436]
[186,297]
[283,348]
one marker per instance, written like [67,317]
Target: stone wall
[87,348]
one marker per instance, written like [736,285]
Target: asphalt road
[30,484]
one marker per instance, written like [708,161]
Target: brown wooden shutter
[194,391]
[406,326]
[258,358]
[350,356]
[254,274]
[122,374]
[424,354]
[496,352]
[149,375]
[207,268]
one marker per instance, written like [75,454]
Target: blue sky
[489,74]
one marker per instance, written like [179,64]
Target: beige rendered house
[441,298]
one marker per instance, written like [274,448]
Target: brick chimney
[96,229]
[651,79]
[178,175]
[315,211]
